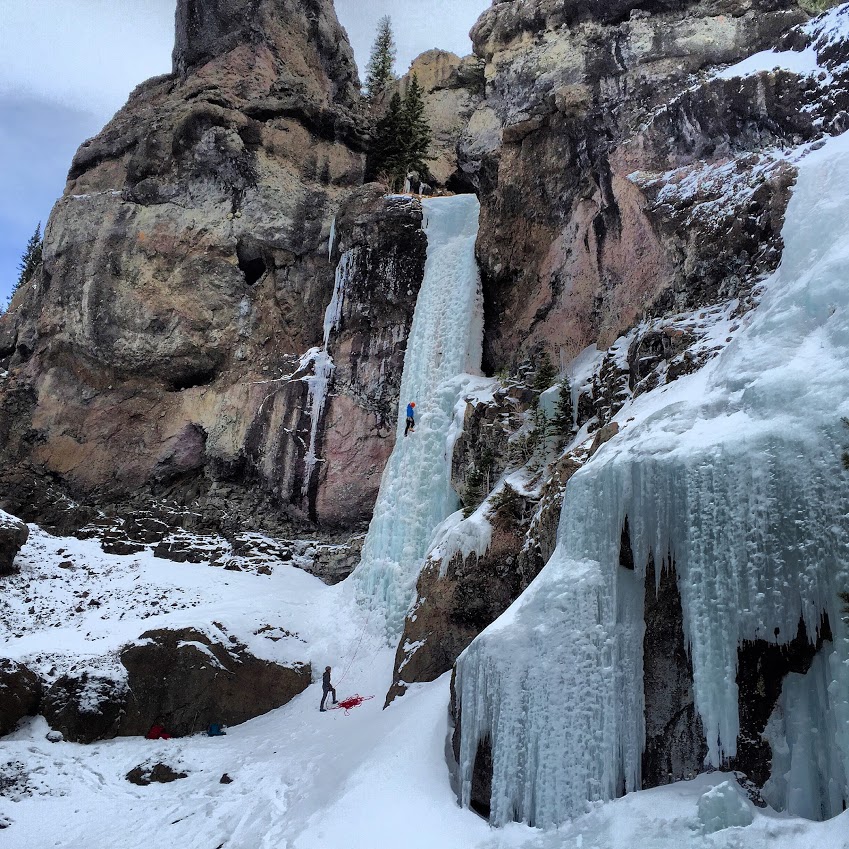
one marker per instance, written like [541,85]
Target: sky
[66,66]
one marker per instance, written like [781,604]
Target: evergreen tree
[379,71]
[545,373]
[401,139]
[387,152]
[563,422]
[417,135]
[31,259]
[845,455]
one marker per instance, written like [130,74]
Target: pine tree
[845,456]
[387,152]
[417,135]
[31,259]
[545,373]
[379,71]
[401,139]
[563,422]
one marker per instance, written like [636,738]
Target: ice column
[735,472]
[445,341]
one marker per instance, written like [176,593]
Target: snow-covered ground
[372,779]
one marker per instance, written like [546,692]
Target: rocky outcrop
[186,681]
[13,536]
[618,177]
[180,679]
[458,594]
[159,350]
[159,773]
[20,694]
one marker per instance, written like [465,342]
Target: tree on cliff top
[379,71]
[417,129]
[401,139]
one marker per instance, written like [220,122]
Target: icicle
[331,242]
[322,363]
[735,473]
[445,340]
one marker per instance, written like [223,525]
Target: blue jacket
[411,412]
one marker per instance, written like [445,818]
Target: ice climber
[411,418]
[327,687]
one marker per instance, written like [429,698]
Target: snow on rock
[445,342]
[13,534]
[295,778]
[823,33]
[734,473]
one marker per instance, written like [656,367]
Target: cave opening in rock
[192,378]
[251,261]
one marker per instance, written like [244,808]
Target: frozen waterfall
[444,343]
[733,472]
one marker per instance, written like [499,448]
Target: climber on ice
[411,418]
[326,688]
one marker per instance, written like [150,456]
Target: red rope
[351,702]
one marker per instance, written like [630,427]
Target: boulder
[20,694]
[146,774]
[85,707]
[186,681]
[13,535]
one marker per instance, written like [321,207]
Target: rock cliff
[160,350]
[590,109]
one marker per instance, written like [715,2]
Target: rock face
[13,536]
[186,681]
[20,694]
[675,741]
[160,349]
[617,178]
[382,251]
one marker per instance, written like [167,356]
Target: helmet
[412,403]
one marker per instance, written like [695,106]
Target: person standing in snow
[411,418]
[326,688]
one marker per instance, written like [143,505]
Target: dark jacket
[325,681]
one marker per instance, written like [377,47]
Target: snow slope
[300,779]
[734,472]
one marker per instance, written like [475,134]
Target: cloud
[84,54]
